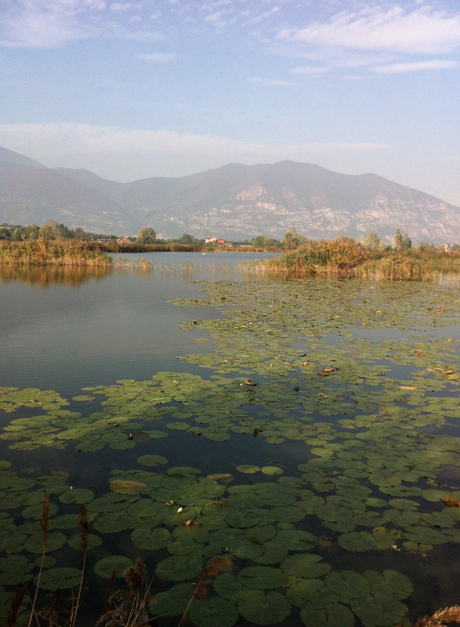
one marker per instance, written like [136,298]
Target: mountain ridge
[235,201]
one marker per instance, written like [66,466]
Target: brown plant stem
[44,524]
[207,576]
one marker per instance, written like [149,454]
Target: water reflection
[44,277]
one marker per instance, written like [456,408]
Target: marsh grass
[60,252]
[345,258]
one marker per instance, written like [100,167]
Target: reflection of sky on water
[119,327]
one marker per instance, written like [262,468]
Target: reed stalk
[217,565]
[84,535]
[44,525]
[12,611]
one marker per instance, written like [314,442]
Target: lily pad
[263,609]
[150,539]
[59,578]
[213,612]
[107,565]
[306,566]
[179,567]
[262,577]
[151,460]
[248,469]
[336,615]
[347,584]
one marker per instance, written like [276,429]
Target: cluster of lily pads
[194,519]
[354,384]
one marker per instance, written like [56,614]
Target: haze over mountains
[234,202]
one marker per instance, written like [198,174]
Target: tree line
[50,230]
[146,236]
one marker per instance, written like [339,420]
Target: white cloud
[422,31]
[309,69]
[116,7]
[159,57]
[55,23]
[416,66]
[40,24]
[272,83]
[125,153]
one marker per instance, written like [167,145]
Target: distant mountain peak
[9,156]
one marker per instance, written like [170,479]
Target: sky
[131,89]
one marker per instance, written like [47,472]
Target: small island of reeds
[60,252]
[345,258]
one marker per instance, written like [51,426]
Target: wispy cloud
[55,23]
[376,40]
[310,69]
[416,66]
[159,57]
[134,150]
[272,83]
[40,24]
[422,31]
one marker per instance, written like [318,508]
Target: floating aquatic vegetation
[363,423]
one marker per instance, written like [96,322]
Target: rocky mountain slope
[234,202]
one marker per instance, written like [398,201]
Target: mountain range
[234,202]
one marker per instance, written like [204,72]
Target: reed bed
[60,252]
[344,258]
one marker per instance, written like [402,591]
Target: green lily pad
[77,495]
[248,469]
[59,578]
[180,567]
[107,565]
[151,460]
[125,486]
[262,577]
[337,615]
[242,520]
[272,470]
[300,591]
[305,566]
[389,582]
[357,541]
[213,612]
[55,541]
[380,609]
[150,539]
[263,609]
[227,586]
[173,602]
[347,584]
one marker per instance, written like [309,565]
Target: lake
[304,430]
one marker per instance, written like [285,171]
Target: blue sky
[137,88]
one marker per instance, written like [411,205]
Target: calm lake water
[277,386]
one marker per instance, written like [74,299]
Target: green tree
[5,233]
[293,239]
[146,236]
[16,235]
[47,232]
[397,240]
[406,242]
[186,238]
[372,242]
[32,232]
[79,234]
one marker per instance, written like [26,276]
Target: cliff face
[233,202]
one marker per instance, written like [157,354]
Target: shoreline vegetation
[339,258]
[345,258]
